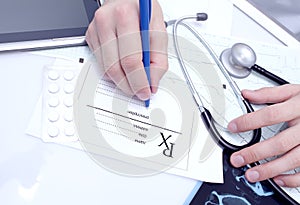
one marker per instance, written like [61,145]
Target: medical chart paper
[164,137]
[280,60]
[188,164]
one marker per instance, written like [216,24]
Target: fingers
[101,38]
[288,180]
[157,71]
[91,36]
[272,94]
[287,162]
[114,36]
[110,50]
[294,122]
[159,57]
[281,112]
[93,42]
[158,47]
[286,143]
[264,117]
[277,145]
[130,51]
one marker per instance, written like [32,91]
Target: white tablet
[34,24]
[280,18]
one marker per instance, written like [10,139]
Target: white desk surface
[33,172]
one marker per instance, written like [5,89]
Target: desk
[245,27]
[33,172]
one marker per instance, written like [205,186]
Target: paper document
[167,136]
[193,160]
[280,60]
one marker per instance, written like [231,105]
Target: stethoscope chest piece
[232,57]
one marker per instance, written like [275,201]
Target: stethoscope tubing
[205,114]
[269,75]
[277,188]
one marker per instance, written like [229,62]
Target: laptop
[37,24]
[279,18]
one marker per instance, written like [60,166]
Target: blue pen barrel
[146,52]
[145,16]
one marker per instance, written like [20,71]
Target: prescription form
[188,166]
[274,57]
[163,137]
[197,157]
[203,172]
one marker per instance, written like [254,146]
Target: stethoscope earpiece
[238,62]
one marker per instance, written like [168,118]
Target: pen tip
[147,103]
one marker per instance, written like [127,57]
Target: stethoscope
[237,61]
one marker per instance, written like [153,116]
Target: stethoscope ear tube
[230,148]
[209,123]
[214,133]
[211,128]
[256,132]
[206,116]
[277,188]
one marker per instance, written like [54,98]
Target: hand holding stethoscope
[235,62]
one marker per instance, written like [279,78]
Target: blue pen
[145,16]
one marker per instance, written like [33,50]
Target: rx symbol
[164,140]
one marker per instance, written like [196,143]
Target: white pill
[53,88]
[68,101]
[53,75]
[69,131]
[68,116]
[53,131]
[53,102]
[53,116]
[68,88]
[68,75]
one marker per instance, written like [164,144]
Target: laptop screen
[286,13]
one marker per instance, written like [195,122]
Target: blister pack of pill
[58,88]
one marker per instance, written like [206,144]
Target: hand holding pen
[145,17]
[114,37]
